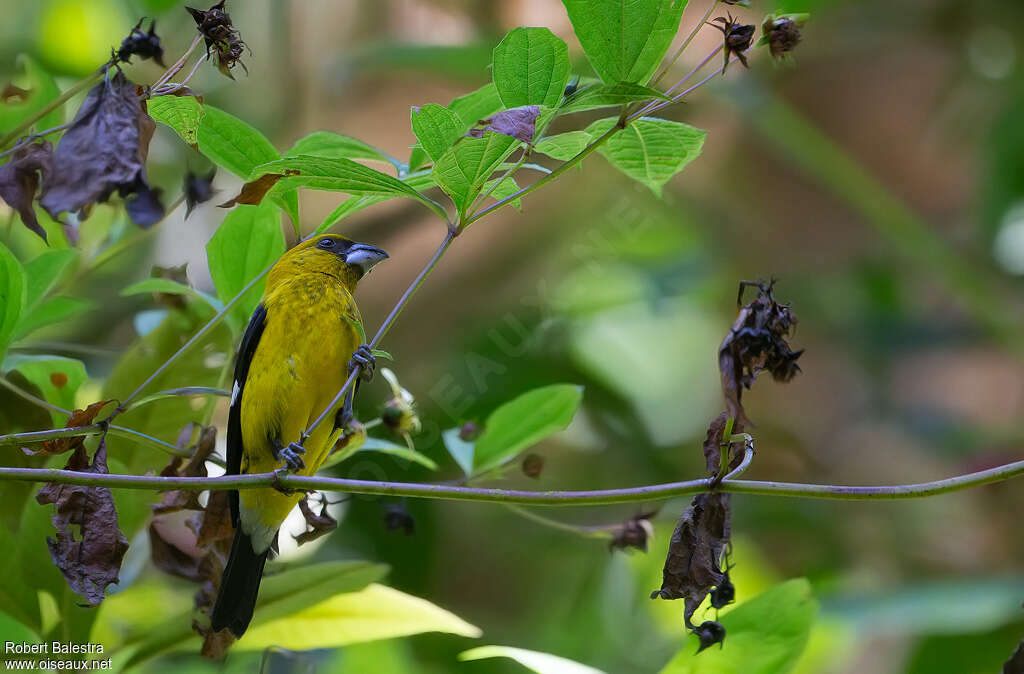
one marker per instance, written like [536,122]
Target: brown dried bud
[533,464]
[781,33]
[222,39]
[737,38]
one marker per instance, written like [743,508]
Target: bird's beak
[364,256]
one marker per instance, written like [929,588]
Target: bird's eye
[325,243]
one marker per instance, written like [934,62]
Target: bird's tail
[239,586]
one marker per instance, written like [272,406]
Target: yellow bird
[299,348]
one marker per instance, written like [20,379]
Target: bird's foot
[364,359]
[292,457]
[276,484]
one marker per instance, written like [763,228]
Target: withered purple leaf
[634,533]
[519,123]
[145,45]
[19,180]
[397,518]
[91,561]
[737,39]
[317,524]
[221,37]
[198,190]
[693,564]
[103,151]
[756,342]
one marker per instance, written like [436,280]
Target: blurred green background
[881,180]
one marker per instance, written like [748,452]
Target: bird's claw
[364,359]
[291,455]
[276,484]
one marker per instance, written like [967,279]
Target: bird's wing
[246,349]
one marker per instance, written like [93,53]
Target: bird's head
[328,254]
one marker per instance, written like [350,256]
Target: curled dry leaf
[517,122]
[19,180]
[180,499]
[104,151]
[253,192]
[198,190]
[634,533]
[78,418]
[317,524]
[222,38]
[756,342]
[91,561]
[145,45]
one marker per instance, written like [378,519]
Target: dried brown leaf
[181,499]
[19,180]
[170,558]
[253,192]
[104,151]
[78,418]
[91,561]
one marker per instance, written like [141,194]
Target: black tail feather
[239,586]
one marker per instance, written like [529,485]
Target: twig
[550,498]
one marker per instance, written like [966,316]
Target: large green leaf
[462,171]
[330,144]
[650,150]
[564,146]
[44,271]
[182,113]
[531,67]
[169,287]
[248,241]
[41,89]
[355,204]
[625,40]
[12,295]
[765,635]
[375,612]
[523,422]
[607,95]
[436,127]
[542,663]
[56,377]
[281,595]
[50,311]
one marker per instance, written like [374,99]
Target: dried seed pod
[145,45]
[222,38]
[781,33]
[737,39]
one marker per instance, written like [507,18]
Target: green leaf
[507,188]
[606,95]
[765,635]
[56,377]
[183,114]
[437,128]
[625,40]
[462,171]
[523,422]
[51,311]
[233,144]
[281,595]
[376,612]
[44,271]
[461,450]
[470,109]
[41,89]
[248,241]
[564,146]
[330,144]
[542,663]
[531,67]
[355,204]
[650,150]
[12,295]
[167,286]
[398,451]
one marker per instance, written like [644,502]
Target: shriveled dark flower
[724,594]
[198,189]
[469,432]
[222,38]
[533,465]
[781,33]
[145,45]
[396,517]
[710,633]
[634,533]
[756,342]
[737,39]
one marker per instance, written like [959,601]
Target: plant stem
[675,99]
[550,498]
[34,137]
[653,104]
[52,105]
